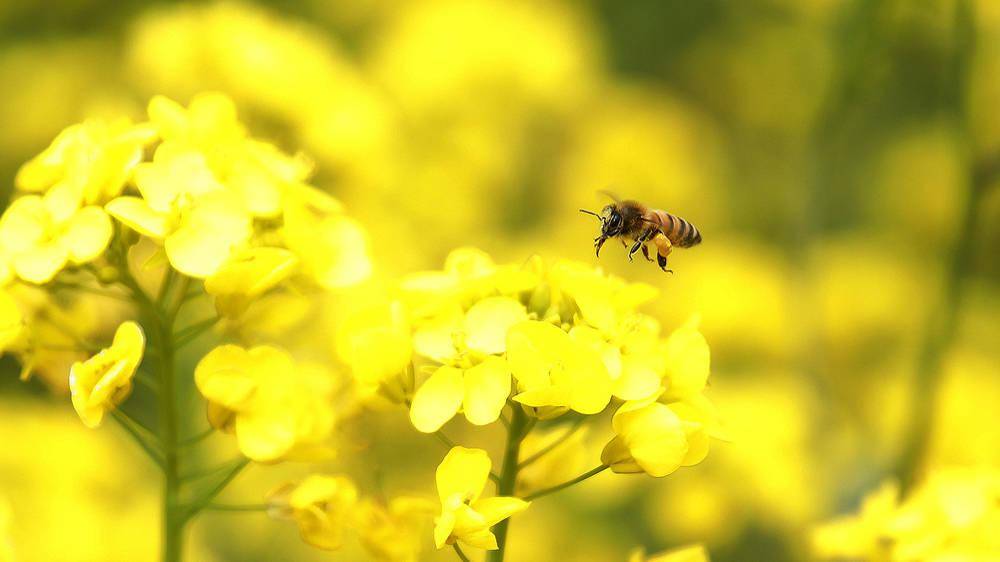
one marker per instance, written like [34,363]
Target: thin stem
[195,439]
[458,551]
[942,323]
[237,508]
[168,280]
[206,499]
[519,427]
[185,335]
[140,435]
[179,301]
[568,483]
[90,290]
[573,428]
[208,471]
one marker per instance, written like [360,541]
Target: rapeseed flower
[41,234]
[93,159]
[100,383]
[248,274]
[651,437]
[465,517]
[321,505]
[278,409]
[373,339]
[392,533]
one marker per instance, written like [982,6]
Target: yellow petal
[498,508]
[87,234]
[462,474]
[437,400]
[487,386]
[41,264]
[223,376]
[136,214]
[487,322]
[688,361]
[264,435]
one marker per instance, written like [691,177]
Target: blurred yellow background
[839,157]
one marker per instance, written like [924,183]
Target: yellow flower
[333,248]
[472,378]
[321,506]
[209,122]
[247,275]
[279,410]
[687,359]
[94,159]
[100,383]
[373,339]
[480,391]
[635,369]
[469,275]
[41,234]
[11,321]
[556,372]
[6,544]
[861,536]
[466,517]
[200,223]
[393,533]
[650,437]
[603,301]
[693,553]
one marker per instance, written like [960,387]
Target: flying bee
[633,221]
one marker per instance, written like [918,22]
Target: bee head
[611,221]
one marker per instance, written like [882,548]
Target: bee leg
[662,262]
[598,242]
[645,253]
[635,248]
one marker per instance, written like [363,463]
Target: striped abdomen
[680,232]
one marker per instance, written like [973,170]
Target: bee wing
[614,197]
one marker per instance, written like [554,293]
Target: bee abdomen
[681,233]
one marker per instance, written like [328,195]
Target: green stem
[458,551]
[519,427]
[207,498]
[576,425]
[237,508]
[140,435]
[593,472]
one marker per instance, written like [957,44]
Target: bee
[633,221]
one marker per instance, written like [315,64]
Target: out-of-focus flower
[11,321]
[248,274]
[465,517]
[650,437]
[687,359]
[554,372]
[6,540]
[392,533]
[694,553]
[278,409]
[321,505]
[373,339]
[953,515]
[100,383]
[333,248]
[93,159]
[41,234]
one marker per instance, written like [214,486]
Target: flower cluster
[953,515]
[553,339]
[545,341]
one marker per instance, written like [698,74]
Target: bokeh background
[839,156]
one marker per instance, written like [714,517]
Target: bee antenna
[592,213]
